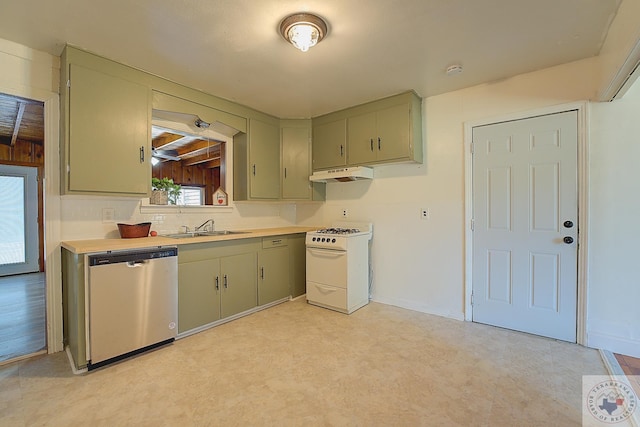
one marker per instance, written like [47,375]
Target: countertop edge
[105,245]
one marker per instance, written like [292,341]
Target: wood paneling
[23,152]
[21,119]
[192,176]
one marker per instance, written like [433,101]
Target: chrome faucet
[203,226]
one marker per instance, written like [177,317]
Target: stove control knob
[313,239]
[323,239]
[333,240]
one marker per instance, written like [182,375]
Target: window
[191,196]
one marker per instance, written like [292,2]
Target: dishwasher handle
[129,257]
[135,264]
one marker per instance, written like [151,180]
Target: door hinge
[471,298]
[68,83]
[471,147]
[472,224]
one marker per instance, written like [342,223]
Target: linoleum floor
[300,365]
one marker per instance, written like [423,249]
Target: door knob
[568,224]
[568,239]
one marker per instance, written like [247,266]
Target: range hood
[343,174]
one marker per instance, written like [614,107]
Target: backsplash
[82,216]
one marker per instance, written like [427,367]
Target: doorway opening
[22,272]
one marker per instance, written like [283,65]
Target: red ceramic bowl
[128,231]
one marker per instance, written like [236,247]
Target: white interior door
[525,211]
[18,220]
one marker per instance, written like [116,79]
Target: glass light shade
[303,30]
[303,36]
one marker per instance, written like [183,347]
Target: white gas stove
[338,266]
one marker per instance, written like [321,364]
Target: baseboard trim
[613,344]
[615,371]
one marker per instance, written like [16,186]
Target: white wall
[419,264]
[34,75]
[614,211]
[82,216]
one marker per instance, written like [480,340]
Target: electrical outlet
[424,213]
[345,213]
[108,215]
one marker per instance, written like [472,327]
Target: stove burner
[337,230]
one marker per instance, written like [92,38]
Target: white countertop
[103,245]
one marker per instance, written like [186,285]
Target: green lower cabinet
[238,284]
[216,288]
[273,274]
[297,265]
[198,294]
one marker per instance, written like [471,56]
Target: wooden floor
[22,315]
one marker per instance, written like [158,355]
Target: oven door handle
[327,253]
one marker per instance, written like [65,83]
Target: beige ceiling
[374,48]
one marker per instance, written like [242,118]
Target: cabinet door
[295,163]
[394,131]
[239,287]
[362,139]
[264,160]
[330,144]
[198,293]
[109,141]
[273,274]
[297,265]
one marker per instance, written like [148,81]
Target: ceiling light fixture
[303,30]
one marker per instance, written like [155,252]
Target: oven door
[327,267]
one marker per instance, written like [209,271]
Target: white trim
[616,372]
[603,340]
[52,234]
[583,191]
[625,75]
[412,305]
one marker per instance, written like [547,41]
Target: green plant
[167,184]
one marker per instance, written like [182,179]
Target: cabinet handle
[371,140]
[254,169]
[285,173]
[379,142]
[142,154]
[217,283]
[341,150]
[226,285]
[262,273]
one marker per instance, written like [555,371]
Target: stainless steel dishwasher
[133,303]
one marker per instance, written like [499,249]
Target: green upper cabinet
[296,162]
[363,142]
[107,138]
[329,143]
[381,136]
[256,162]
[388,130]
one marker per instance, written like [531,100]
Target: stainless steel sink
[202,233]
[221,232]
